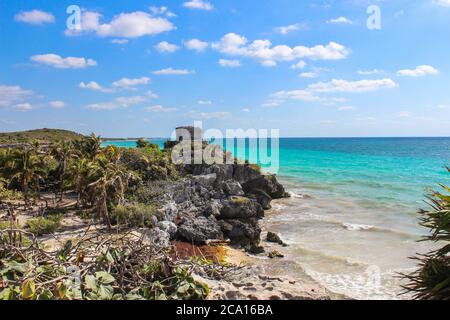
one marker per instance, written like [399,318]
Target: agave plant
[432,280]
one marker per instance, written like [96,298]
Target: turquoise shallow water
[351,222]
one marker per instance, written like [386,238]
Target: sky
[323,68]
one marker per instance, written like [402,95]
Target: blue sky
[308,68]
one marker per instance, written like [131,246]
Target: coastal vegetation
[40,135]
[432,279]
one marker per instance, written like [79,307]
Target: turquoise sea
[351,222]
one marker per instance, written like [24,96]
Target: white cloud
[303,95]
[23,107]
[36,17]
[340,20]
[204,102]
[162,11]
[56,61]
[94,86]
[299,65]
[273,103]
[208,115]
[346,108]
[403,114]
[369,72]
[119,41]
[444,3]
[160,109]
[125,25]
[419,71]
[12,94]
[443,106]
[309,75]
[352,86]
[198,4]
[196,44]
[229,63]
[171,71]
[122,102]
[57,104]
[290,28]
[130,83]
[246,110]
[166,47]
[262,50]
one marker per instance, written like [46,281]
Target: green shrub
[134,215]
[432,279]
[44,225]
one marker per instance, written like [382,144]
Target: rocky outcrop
[216,202]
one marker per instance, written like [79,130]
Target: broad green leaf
[90,282]
[105,292]
[28,289]
[104,277]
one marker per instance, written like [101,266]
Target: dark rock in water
[275,254]
[243,233]
[267,183]
[199,229]
[241,208]
[232,188]
[273,237]
[263,199]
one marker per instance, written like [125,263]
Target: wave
[357,227]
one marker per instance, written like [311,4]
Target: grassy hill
[41,135]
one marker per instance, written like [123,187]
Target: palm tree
[26,167]
[432,280]
[62,153]
[80,170]
[109,187]
[92,146]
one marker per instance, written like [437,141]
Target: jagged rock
[199,229]
[169,211]
[255,249]
[232,188]
[213,208]
[206,180]
[243,233]
[241,208]
[244,173]
[157,237]
[263,199]
[273,237]
[267,183]
[168,227]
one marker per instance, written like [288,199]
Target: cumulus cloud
[12,94]
[309,74]
[303,95]
[290,28]
[57,104]
[262,50]
[122,102]
[56,61]
[246,110]
[198,4]
[172,71]
[346,108]
[125,25]
[299,65]
[163,10]
[196,44]
[160,109]
[403,114]
[204,102]
[130,83]
[340,20]
[229,63]
[166,47]
[419,71]
[94,86]
[336,85]
[35,17]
